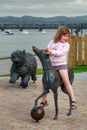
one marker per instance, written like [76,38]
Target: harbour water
[20,41]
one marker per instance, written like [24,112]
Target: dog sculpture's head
[43,55]
[18,57]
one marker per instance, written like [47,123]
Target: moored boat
[8,32]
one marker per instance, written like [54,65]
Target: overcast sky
[43,8]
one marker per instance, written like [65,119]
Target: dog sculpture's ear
[24,51]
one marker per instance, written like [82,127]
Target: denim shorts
[59,67]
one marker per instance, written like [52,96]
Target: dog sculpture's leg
[33,75]
[24,81]
[65,91]
[36,100]
[14,77]
[70,110]
[56,106]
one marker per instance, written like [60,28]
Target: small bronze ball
[37,114]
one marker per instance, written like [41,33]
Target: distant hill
[42,20]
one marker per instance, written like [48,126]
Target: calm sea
[20,41]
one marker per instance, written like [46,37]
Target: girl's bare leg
[65,78]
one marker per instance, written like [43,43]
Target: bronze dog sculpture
[51,80]
[23,65]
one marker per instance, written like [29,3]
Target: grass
[80,68]
[76,69]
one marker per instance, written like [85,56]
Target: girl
[58,49]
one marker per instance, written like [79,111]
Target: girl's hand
[48,50]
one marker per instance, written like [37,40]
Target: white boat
[8,32]
[25,32]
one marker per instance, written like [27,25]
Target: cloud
[43,8]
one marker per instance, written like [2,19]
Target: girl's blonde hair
[62,30]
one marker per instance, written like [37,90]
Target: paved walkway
[81,76]
[16,105]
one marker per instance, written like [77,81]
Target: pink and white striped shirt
[59,53]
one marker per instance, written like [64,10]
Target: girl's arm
[58,51]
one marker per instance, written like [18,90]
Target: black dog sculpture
[51,80]
[24,65]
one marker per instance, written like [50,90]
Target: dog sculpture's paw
[70,112]
[55,118]
[34,109]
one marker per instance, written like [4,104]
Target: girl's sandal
[43,104]
[73,105]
